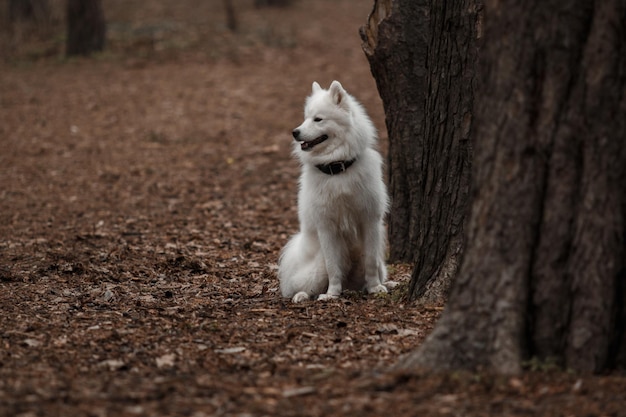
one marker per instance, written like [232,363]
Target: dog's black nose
[295,133]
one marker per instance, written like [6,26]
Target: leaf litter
[145,198]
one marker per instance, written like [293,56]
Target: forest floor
[145,194]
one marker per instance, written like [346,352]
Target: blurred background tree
[86,27]
[231,17]
[272,3]
[28,10]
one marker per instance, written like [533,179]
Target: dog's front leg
[334,257]
[374,249]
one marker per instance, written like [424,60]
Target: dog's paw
[300,296]
[380,288]
[391,284]
[325,297]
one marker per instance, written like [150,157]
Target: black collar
[335,168]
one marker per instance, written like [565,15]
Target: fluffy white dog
[341,202]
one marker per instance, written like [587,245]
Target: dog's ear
[337,92]
[316,87]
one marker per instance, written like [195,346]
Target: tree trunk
[422,55]
[272,3]
[543,274]
[35,10]
[231,17]
[86,27]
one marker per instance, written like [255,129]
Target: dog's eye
[317,119]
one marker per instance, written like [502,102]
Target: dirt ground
[145,194]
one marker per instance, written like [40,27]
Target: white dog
[341,202]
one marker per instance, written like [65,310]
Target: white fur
[341,243]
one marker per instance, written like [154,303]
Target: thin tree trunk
[422,55]
[543,272]
[231,17]
[35,10]
[86,28]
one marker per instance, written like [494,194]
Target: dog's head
[327,130]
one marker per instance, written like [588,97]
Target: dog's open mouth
[308,145]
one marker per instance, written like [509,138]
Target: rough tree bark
[543,274]
[422,55]
[86,28]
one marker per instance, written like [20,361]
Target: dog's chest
[335,203]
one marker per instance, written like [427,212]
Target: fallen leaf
[166,361]
[32,342]
[238,349]
[296,392]
[112,364]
